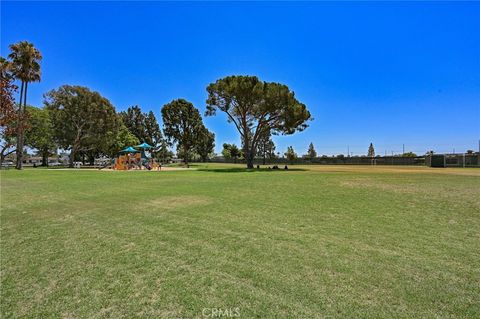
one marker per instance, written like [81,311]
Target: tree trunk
[249,151]
[249,157]
[45,158]
[72,156]
[2,157]
[249,162]
[185,156]
[19,151]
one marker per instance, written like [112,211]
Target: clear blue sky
[387,73]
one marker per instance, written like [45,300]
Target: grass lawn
[314,242]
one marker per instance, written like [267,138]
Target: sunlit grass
[322,241]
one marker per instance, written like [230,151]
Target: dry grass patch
[439,191]
[391,169]
[375,183]
[182,201]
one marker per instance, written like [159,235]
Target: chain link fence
[435,160]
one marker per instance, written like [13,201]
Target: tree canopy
[231,151]
[183,125]
[8,112]
[123,139]
[411,154]
[205,144]
[40,132]
[255,106]
[83,120]
[290,154]
[143,126]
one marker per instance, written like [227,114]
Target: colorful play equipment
[131,158]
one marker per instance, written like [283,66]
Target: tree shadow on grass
[247,170]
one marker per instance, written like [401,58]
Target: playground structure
[133,159]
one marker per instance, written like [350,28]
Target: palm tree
[25,67]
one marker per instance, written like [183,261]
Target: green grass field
[314,242]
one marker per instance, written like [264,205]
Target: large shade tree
[182,124]
[25,65]
[255,106]
[83,120]
[39,132]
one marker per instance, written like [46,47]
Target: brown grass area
[470,195]
[391,169]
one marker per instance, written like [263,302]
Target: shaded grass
[330,242]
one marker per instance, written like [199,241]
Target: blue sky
[387,73]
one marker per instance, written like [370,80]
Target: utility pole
[403,145]
[348,150]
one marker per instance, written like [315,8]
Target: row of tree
[82,121]
[77,119]
[267,151]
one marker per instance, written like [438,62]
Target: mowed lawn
[320,241]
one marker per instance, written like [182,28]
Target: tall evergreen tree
[290,154]
[153,134]
[143,125]
[371,151]
[266,147]
[312,153]
[134,120]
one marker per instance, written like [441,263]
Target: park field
[310,242]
